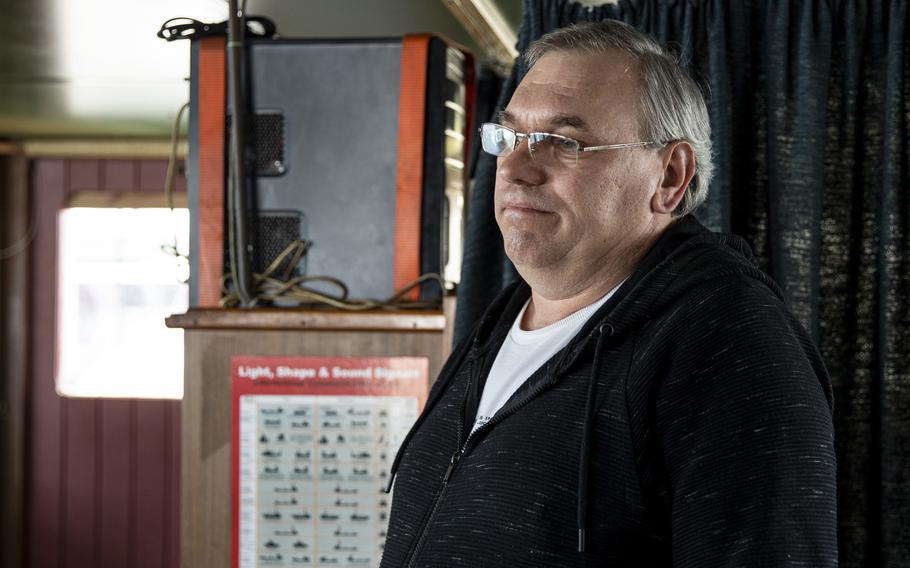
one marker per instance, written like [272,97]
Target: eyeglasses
[500,140]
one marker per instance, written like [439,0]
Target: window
[117,284]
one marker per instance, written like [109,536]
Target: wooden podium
[212,337]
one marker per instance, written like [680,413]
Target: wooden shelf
[213,337]
[302,319]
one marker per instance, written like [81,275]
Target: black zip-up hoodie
[688,424]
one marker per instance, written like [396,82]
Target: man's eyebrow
[506,117]
[570,120]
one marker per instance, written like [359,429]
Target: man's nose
[519,167]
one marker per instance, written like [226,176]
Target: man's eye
[566,143]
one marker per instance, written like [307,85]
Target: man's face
[595,212]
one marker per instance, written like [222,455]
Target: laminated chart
[313,441]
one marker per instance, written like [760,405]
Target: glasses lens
[553,147]
[497,140]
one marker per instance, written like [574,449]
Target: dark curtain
[809,108]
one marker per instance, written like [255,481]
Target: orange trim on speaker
[211,110]
[409,170]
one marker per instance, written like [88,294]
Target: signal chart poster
[313,442]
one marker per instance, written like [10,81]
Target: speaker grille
[266,142]
[275,230]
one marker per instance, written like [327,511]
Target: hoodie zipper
[445,482]
[456,457]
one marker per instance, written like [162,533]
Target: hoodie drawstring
[583,459]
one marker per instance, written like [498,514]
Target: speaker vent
[266,141]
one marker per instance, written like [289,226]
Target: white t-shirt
[523,352]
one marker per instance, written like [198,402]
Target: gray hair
[673,107]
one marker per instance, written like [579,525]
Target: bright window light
[118,280]
[112,60]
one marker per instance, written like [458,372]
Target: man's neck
[558,292]
[543,311]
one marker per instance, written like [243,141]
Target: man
[642,397]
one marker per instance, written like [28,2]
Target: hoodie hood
[684,256]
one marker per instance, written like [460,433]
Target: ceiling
[95,68]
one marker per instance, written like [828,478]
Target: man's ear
[678,160]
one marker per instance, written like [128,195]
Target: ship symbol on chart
[360,455]
[300,545]
[279,503]
[340,438]
[300,559]
[343,533]
[264,439]
[331,424]
[340,503]
[355,560]
[327,560]
[355,412]
[331,412]
[330,471]
[292,532]
[359,517]
[359,423]
[275,516]
[329,455]
[271,544]
[305,470]
[361,471]
[301,516]
[301,412]
[270,469]
[302,455]
[272,411]
[345,490]
[271,454]
[301,424]
[272,422]
[291,489]
[271,557]
[328,517]
[323,440]
[340,547]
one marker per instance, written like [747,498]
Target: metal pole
[237,201]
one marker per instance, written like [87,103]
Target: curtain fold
[809,103]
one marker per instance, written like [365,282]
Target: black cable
[240,254]
[188,28]
[295,290]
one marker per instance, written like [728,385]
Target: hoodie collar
[668,269]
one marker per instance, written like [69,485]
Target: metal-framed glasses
[500,141]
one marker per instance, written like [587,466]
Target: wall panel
[102,476]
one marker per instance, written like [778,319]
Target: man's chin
[529,254]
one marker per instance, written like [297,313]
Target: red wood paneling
[150,506]
[80,513]
[102,475]
[120,175]
[172,489]
[47,417]
[152,174]
[84,175]
[114,475]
